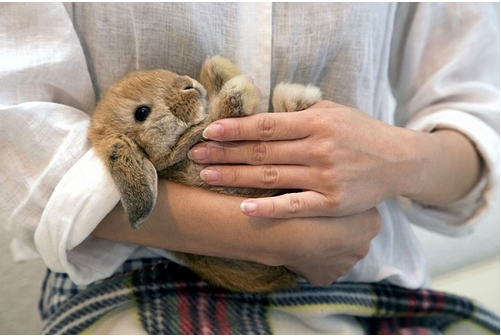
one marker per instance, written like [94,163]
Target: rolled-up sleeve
[54,189]
[445,74]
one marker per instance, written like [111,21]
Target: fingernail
[199,153]
[248,207]
[213,132]
[209,175]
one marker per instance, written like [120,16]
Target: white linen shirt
[439,62]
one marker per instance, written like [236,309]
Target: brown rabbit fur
[144,126]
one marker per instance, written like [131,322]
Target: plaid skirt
[170,299]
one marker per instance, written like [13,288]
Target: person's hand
[322,249]
[344,161]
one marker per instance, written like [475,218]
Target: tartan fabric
[170,299]
[57,288]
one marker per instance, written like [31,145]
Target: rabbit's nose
[189,87]
[198,88]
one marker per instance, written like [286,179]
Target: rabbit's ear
[134,175]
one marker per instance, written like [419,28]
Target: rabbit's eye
[141,113]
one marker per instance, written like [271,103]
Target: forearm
[194,220]
[446,166]
[321,249]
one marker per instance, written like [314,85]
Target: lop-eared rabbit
[143,128]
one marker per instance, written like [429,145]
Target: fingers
[325,274]
[269,126]
[293,205]
[335,251]
[253,153]
[259,177]
[261,127]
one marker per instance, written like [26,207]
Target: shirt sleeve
[445,74]
[54,189]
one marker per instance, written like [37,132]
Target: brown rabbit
[144,126]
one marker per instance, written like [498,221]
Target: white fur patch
[288,97]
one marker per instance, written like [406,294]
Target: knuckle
[259,152]
[334,201]
[269,176]
[328,177]
[294,204]
[266,127]
[326,117]
[317,153]
[323,151]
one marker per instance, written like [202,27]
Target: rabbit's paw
[238,97]
[216,72]
[288,97]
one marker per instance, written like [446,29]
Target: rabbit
[143,128]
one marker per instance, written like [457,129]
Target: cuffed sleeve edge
[459,217]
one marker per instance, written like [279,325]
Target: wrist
[408,156]
[444,167]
